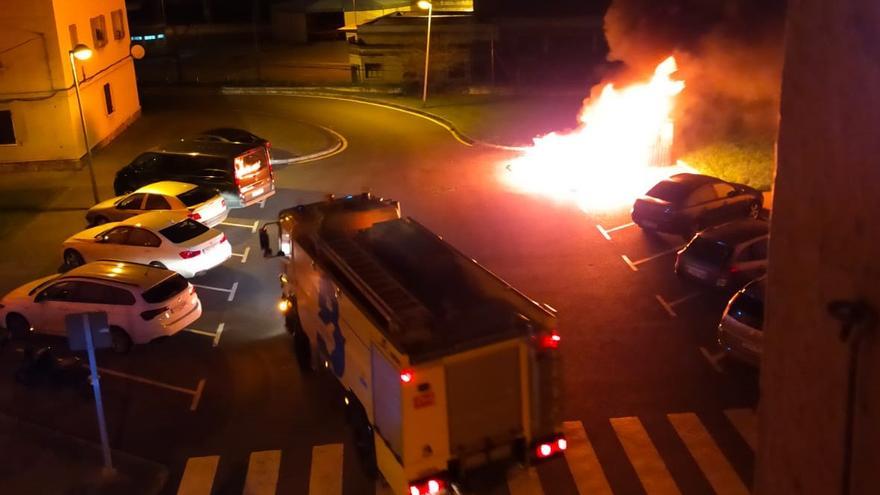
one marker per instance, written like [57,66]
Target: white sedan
[163,239]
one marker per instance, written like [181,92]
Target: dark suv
[688,203]
[241,172]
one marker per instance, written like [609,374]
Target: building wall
[37,85]
[824,246]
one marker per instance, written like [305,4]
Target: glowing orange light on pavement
[618,151]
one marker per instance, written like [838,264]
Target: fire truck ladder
[396,304]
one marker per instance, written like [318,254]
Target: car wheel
[120,340]
[156,264]
[17,325]
[754,210]
[72,258]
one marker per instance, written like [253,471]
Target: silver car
[202,204]
[740,333]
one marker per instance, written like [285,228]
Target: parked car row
[133,260]
[727,248]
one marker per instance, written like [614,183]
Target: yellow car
[202,204]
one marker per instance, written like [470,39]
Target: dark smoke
[729,53]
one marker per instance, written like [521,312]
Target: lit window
[118,24]
[99,31]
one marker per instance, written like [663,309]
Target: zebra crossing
[583,458]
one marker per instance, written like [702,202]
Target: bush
[745,163]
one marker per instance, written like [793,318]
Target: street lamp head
[81,52]
[425,5]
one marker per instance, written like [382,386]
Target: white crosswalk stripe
[326,475]
[746,423]
[706,453]
[643,456]
[524,481]
[198,475]
[262,473]
[582,461]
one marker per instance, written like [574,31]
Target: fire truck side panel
[484,390]
[426,449]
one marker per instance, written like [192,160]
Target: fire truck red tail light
[549,340]
[431,486]
[550,447]
[406,376]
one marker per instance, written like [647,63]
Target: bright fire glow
[619,150]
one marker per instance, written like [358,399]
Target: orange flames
[616,153]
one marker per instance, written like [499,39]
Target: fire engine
[444,366]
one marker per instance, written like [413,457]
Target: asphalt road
[637,343]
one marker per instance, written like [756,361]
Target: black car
[241,172]
[688,203]
[231,135]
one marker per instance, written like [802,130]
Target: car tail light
[550,447]
[194,215]
[428,486]
[549,340]
[223,238]
[190,254]
[149,315]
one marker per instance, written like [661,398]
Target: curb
[318,93]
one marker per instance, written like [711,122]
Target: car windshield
[669,191]
[197,195]
[183,231]
[166,289]
[714,252]
[748,310]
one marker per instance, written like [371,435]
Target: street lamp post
[83,52]
[425,5]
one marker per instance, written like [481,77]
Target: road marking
[685,298]
[714,360]
[253,226]
[666,305]
[325,477]
[262,203]
[524,481]
[196,394]
[230,291]
[341,145]
[606,233]
[244,255]
[745,421]
[709,457]
[198,475]
[655,256]
[262,473]
[214,335]
[589,478]
[644,457]
[626,260]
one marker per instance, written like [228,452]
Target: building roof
[318,6]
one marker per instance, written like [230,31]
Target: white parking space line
[589,478]
[666,305]
[606,233]
[629,262]
[655,256]
[262,473]
[669,305]
[196,394]
[524,481]
[253,226]
[214,335]
[324,478]
[714,359]
[745,421]
[230,291]
[198,475]
[262,204]
[707,454]
[244,255]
